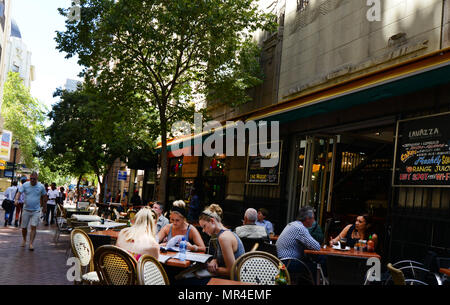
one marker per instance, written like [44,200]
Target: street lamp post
[15,146]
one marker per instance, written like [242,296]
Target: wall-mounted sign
[122,176]
[423,151]
[5,144]
[256,174]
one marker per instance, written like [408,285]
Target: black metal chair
[301,274]
[249,243]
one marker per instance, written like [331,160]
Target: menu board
[423,151]
[263,175]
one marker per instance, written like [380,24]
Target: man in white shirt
[250,229]
[10,193]
[52,194]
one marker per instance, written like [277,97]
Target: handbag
[7,204]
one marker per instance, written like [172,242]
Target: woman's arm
[199,245]
[341,235]
[163,233]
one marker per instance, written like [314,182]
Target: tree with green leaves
[24,117]
[163,52]
[89,132]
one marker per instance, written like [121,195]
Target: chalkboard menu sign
[423,151]
[263,175]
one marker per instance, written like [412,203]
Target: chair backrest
[269,248]
[131,214]
[151,272]
[82,248]
[115,266]
[397,275]
[257,267]
[302,275]
[249,243]
[62,211]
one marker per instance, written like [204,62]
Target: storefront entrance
[345,174]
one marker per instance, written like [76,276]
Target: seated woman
[361,229]
[179,226]
[139,239]
[228,245]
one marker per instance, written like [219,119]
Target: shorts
[30,217]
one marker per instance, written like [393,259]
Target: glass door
[317,164]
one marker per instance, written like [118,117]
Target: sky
[38,20]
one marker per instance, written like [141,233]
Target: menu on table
[423,151]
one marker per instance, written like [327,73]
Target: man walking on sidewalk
[19,206]
[35,197]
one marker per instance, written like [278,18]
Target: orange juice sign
[424,151]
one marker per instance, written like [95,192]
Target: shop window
[214,166]
[175,167]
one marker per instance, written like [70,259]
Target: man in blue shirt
[261,221]
[295,238]
[35,198]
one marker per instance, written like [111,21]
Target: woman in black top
[361,229]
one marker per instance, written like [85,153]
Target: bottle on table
[370,245]
[281,278]
[183,249]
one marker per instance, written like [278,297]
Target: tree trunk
[78,187]
[102,191]
[164,167]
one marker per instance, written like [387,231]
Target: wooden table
[445,271]
[219,281]
[350,253]
[111,233]
[342,259]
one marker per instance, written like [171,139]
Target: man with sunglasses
[35,198]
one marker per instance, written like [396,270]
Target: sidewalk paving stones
[46,265]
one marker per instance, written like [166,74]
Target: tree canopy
[164,52]
[24,117]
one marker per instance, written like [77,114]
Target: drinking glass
[343,243]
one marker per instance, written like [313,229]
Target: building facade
[348,83]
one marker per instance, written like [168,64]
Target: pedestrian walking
[53,195]
[35,197]
[8,203]
[19,205]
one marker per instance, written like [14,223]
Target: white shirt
[10,192]
[52,194]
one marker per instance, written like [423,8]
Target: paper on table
[164,258]
[195,257]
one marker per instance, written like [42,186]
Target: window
[301,4]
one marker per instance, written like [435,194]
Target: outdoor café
[93,239]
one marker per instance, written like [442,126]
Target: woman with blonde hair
[228,245]
[179,226]
[139,239]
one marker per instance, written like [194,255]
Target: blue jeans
[9,215]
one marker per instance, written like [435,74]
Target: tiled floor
[46,265]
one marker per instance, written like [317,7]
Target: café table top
[107,225]
[334,252]
[219,281]
[111,233]
[445,271]
[80,217]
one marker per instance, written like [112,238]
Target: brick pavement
[46,265]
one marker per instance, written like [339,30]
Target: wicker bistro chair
[151,272]
[83,249]
[257,267]
[115,266]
